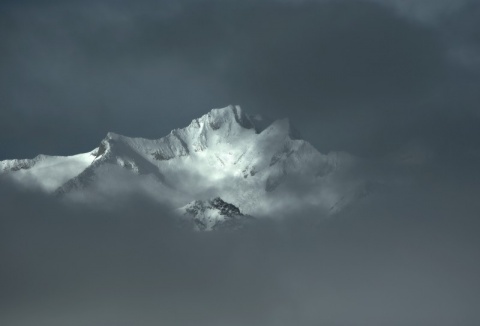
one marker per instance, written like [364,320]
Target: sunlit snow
[47,172]
[260,168]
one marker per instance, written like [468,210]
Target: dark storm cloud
[369,77]
[362,76]
[402,257]
[72,72]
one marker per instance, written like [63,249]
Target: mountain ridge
[247,161]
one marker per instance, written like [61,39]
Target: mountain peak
[112,135]
[216,118]
[219,117]
[283,128]
[248,160]
[214,214]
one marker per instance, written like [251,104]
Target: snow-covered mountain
[214,214]
[260,167]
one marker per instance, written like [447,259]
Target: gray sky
[368,77]
[382,79]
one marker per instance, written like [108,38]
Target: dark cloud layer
[361,76]
[395,81]
[407,258]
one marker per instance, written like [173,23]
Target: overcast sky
[367,77]
[381,79]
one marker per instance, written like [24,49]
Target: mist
[402,257]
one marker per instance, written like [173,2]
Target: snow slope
[260,167]
[46,172]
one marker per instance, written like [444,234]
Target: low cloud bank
[400,257]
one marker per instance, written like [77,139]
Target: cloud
[400,257]
[397,77]
[352,75]
[428,11]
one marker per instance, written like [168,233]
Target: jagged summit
[229,125]
[214,214]
[218,117]
[231,117]
[252,163]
